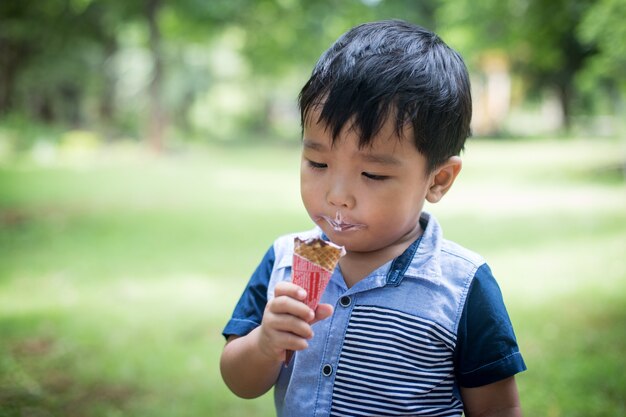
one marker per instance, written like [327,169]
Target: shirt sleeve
[486,349]
[248,312]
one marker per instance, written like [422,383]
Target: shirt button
[327,370]
[345,301]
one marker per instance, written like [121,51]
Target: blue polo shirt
[400,342]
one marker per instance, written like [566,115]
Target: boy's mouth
[339,224]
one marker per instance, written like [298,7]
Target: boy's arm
[250,364]
[499,399]
[487,354]
[245,370]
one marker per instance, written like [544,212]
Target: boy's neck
[355,266]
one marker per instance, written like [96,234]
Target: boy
[410,323]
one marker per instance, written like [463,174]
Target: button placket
[345,302]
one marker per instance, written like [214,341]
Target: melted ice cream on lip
[340,224]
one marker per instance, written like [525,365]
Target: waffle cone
[318,252]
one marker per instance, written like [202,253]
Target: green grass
[118,273]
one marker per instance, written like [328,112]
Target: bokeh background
[149,155]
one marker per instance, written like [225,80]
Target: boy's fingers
[323,311]
[289,306]
[289,289]
[286,323]
[290,341]
[275,341]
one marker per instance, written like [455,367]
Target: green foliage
[297,32]
[117,276]
[603,26]
[548,43]
[148,67]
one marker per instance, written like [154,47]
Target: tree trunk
[564,91]
[12,56]
[106,107]
[156,118]
[70,95]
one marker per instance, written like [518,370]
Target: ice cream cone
[314,261]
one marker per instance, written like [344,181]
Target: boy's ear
[443,178]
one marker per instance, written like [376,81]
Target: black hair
[392,67]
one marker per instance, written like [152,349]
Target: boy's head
[393,69]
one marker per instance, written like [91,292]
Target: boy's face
[364,199]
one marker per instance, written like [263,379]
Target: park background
[149,155]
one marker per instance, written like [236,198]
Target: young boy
[410,324]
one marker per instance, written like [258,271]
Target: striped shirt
[394,364]
[400,342]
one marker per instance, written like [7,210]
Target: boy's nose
[339,195]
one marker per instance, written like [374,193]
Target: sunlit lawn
[117,274]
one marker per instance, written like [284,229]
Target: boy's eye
[317,165]
[375,177]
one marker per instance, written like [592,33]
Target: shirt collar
[420,259]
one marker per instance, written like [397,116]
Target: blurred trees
[549,43]
[603,26]
[154,69]
[49,53]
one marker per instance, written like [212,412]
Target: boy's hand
[287,321]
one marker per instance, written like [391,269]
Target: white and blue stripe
[395,364]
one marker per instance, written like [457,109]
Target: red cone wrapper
[313,278]
[314,261]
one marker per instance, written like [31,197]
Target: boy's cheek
[311,195]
